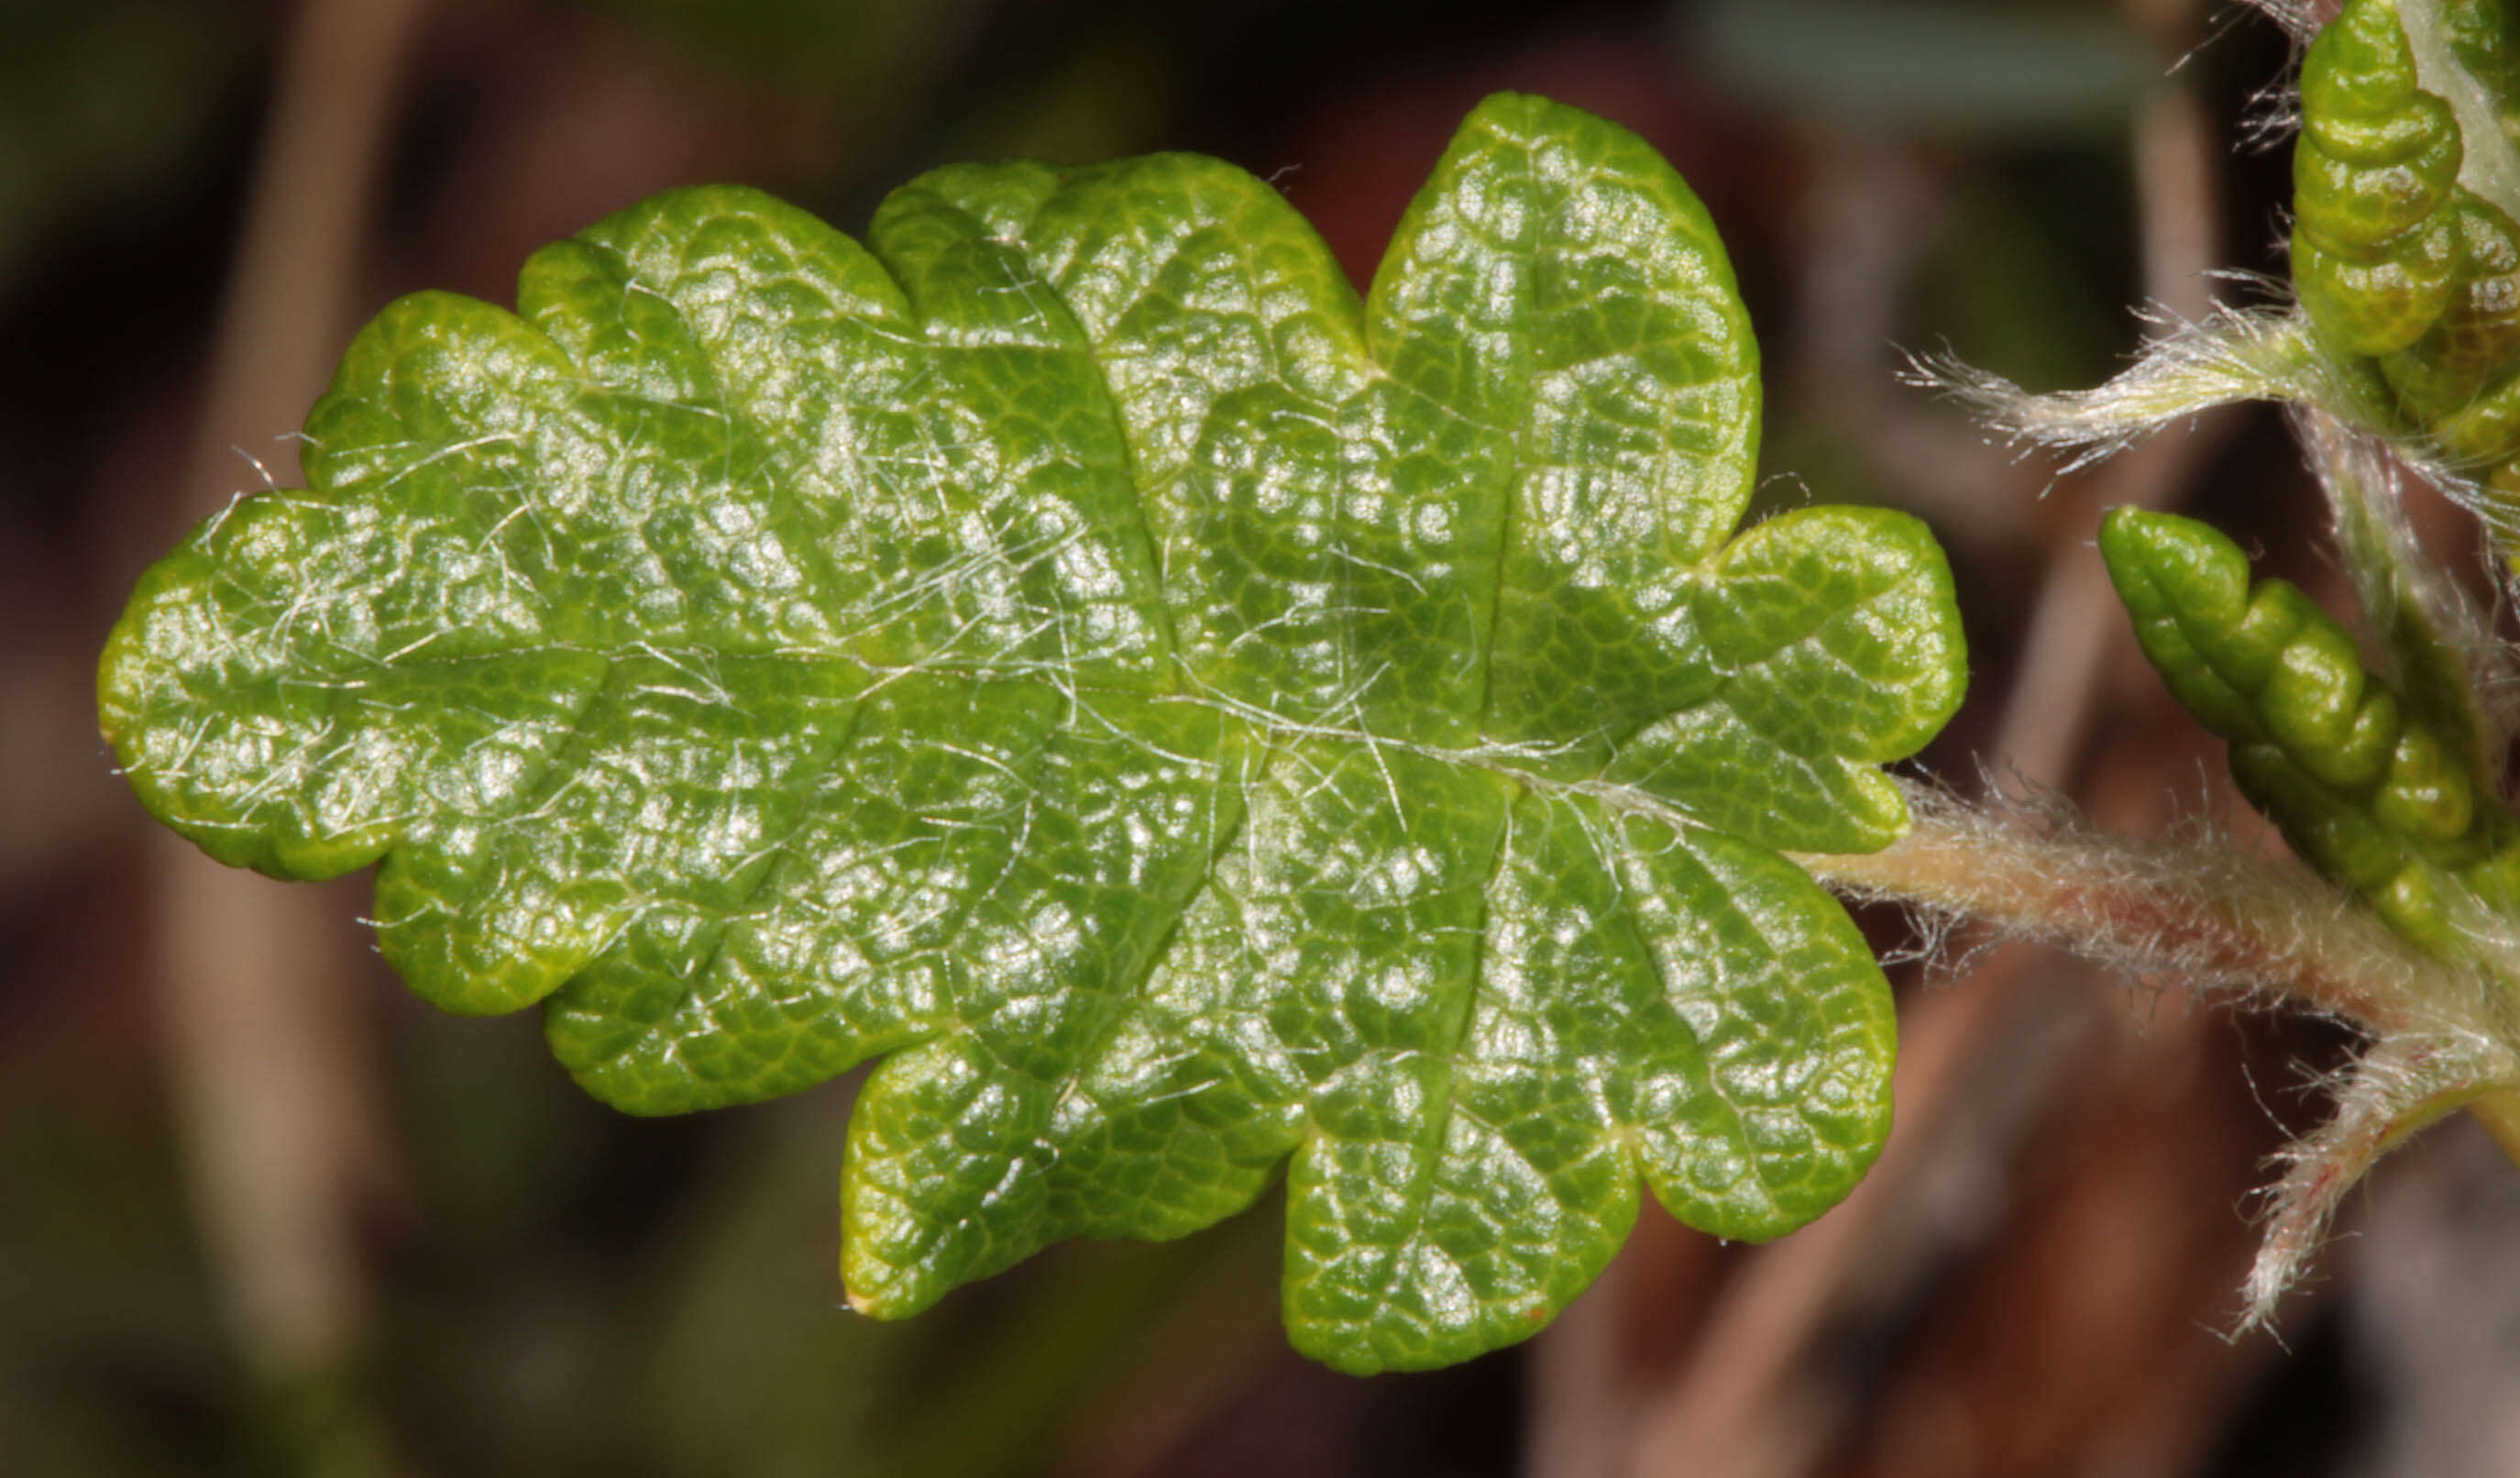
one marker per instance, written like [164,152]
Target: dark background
[260,1212]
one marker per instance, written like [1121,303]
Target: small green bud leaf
[1186,720]
[2403,247]
[2369,795]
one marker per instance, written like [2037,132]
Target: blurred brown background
[261,1213]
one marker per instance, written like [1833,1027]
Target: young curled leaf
[2403,247]
[2369,794]
[2374,251]
[2405,267]
[1186,720]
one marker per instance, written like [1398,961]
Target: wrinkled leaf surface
[1186,720]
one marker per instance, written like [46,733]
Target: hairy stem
[2499,1112]
[2208,912]
[2215,918]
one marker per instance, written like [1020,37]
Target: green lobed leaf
[1184,719]
[2366,791]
